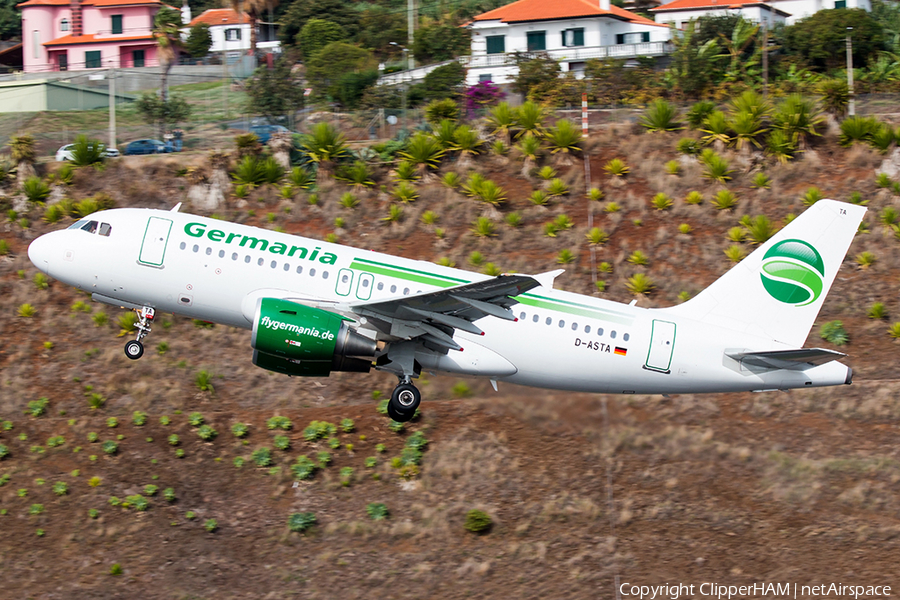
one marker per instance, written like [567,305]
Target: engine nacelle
[293,339]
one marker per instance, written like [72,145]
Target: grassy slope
[728,488]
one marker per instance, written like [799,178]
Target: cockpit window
[105,229]
[77,224]
[90,227]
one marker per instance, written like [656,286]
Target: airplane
[315,307]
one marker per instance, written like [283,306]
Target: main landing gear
[134,349]
[404,401]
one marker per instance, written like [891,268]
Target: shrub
[688,146]
[477,521]
[348,200]
[438,110]
[812,196]
[834,332]
[539,198]
[35,189]
[616,167]
[262,457]
[858,129]
[877,311]
[597,236]
[151,489]
[894,330]
[491,193]
[26,310]
[346,475]
[37,408]
[377,511]
[35,509]
[761,181]
[405,192]
[724,200]
[300,522]
[174,440]
[694,197]
[281,442]
[865,259]
[303,468]
[637,258]
[557,187]
[203,381]
[564,137]
[673,167]
[169,494]
[565,257]
[4,451]
[735,253]
[323,458]
[780,146]
[451,180]
[483,227]
[334,443]
[139,418]
[195,419]
[240,430]
[760,229]
[662,201]
[207,433]
[639,284]
[371,462]
[110,447]
[698,112]
[210,525]
[137,502]
[715,167]
[661,115]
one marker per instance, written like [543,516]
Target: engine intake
[293,339]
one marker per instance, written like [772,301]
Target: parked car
[264,132]
[65,152]
[145,147]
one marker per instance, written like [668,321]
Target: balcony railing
[509,59]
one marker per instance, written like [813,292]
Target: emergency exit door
[153,247]
[662,344]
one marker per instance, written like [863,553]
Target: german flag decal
[621,351]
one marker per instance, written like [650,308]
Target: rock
[890,166]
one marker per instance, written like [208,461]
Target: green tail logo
[792,272]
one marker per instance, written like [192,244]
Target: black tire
[406,398]
[134,349]
[399,416]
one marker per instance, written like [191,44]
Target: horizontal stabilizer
[801,359]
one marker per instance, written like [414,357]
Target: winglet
[176,208]
[546,279]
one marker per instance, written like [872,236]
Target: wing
[433,316]
[798,360]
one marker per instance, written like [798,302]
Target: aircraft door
[153,247]
[364,286]
[344,282]
[662,344]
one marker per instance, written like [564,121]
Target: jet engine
[293,339]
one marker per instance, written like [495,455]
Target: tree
[351,87]
[254,9]
[316,34]
[379,26]
[10,20]
[693,64]
[276,92]
[163,112]
[445,82]
[441,41]
[326,69]
[533,71]
[167,30]
[199,41]
[301,11]
[820,39]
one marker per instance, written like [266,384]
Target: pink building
[60,35]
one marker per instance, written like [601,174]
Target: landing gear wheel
[399,416]
[404,401]
[134,349]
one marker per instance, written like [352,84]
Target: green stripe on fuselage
[375,268]
[574,309]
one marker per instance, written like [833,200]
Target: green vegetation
[478,521]
[300,522]
[834,332]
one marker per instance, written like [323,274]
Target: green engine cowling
[293,339]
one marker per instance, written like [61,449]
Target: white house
[231,34]
[571,31]
[679,12]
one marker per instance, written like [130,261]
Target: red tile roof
[219,16]
[68,40]
[714,5]
[542,10]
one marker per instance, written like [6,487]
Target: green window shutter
[117,23]
[578,37]
[92,59]
[564,32]
[620,38]
[840,3]
[645,36]
[537,41]
[496,44]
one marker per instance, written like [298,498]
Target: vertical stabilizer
[778,290]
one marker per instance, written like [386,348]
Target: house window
[92,59]
[117,23]
[840,3]
[496,44]
[63,58]
[486,77]
[633,38]
[138,58]
[36,43]
[232,35]
[573,37]
[537,41]
[64,25]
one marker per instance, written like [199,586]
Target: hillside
[583,490]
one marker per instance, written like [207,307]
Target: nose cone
[40,251]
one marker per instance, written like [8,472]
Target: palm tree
[167,31]
[324,145]
[502,118]
[253,9]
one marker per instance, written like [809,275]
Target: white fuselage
[210,270]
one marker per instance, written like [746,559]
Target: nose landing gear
[134,349]
[404,401]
